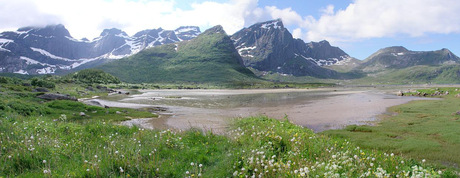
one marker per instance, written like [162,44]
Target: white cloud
[365,19]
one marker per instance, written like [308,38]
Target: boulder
[53,96]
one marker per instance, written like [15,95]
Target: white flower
[235,173]
[372,164]
[423,161]
[95,156]
[87,170]
[86,161]
[187,172]
[192,164]
[116,152]
[44,161]
[200,165]
[121,170]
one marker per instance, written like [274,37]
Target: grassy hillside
[209,58]
[445,74]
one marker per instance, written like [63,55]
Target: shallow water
[318,109]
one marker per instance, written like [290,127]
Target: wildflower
[116,152]
[372,164]
[187,172]
[200,165]
[392,154]
[423,161]
[44,161]
[121,170]
[95,156]
[235,173]
[45,171]
[86,161]
[87,170]
[192,164]
[9,157]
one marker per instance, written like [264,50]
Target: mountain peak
[271,24]
[215,29]
[113,31]
[49,30]
[394,49]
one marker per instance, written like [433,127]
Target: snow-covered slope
[33,50]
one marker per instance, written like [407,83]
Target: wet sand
[211,110]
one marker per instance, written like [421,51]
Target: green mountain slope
[398,57]
[209,58]
[420,74]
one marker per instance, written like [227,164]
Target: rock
[89,88]
[82,114]
[53,96]
[94,103]
[40,90]
[400,93]
[117,112]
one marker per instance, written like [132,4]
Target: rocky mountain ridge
[34,50]
[270,47]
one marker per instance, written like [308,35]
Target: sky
[359,27]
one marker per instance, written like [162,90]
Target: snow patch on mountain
[46,53]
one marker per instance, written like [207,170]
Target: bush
[42,83]
[94,76]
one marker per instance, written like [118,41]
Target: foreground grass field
[41,138]
[423,130]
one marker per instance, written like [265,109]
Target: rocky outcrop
[53,96]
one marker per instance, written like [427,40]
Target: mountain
[209,58]
[398,57]
[51,49]
[270,47]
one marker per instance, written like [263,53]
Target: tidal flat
[318,109]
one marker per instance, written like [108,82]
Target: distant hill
[398,65]
[398,57]
[209,58]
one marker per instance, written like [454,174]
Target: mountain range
[266,48]
[51,49]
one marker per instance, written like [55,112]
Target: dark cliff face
[398,57]
[40,50]
[269,46]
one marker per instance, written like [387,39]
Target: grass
[420,130]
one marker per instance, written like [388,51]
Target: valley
[175,103]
